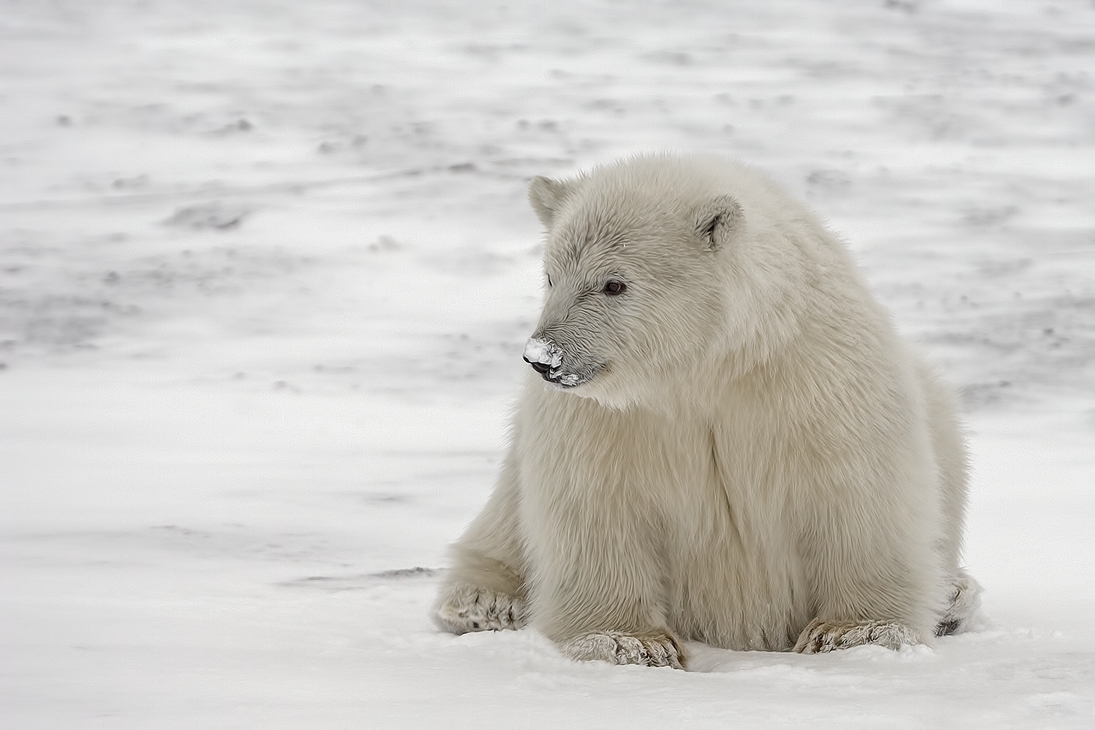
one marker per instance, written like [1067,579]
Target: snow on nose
[542,355]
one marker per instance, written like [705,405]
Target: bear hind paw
[965,600]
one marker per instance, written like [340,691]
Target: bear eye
[614,288]
[549,279]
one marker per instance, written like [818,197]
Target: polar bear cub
[722,437]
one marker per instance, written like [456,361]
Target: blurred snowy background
[266,270]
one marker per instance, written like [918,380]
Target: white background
[266,270]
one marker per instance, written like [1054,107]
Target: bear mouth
[561,379]
[566,381]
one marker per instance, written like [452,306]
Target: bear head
[636,290]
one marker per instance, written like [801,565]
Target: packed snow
[542,352]
[267,271]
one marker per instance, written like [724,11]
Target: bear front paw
[649,650]
[825,636]
[462,608]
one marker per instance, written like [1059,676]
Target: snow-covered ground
[267,269]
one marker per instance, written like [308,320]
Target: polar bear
[722,438]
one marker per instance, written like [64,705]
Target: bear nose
[539,367]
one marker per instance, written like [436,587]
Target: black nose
[539,366]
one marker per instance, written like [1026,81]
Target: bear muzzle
[546,358]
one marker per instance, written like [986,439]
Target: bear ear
[547,196]
[718,220]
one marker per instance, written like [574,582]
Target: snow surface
[267,270]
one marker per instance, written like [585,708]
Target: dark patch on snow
[215,216]
[359,581]
[415,572]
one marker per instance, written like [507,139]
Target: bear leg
[484,590]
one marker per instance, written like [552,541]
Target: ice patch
[543,352]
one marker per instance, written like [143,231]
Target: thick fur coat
[722,437]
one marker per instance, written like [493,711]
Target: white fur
[736,449]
